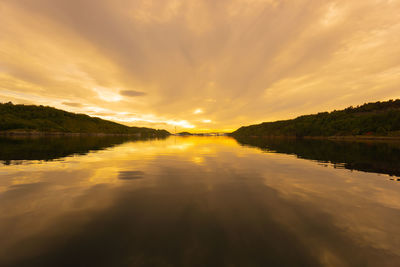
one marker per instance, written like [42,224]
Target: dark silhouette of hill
[371,119]
[185,133]
[31,118]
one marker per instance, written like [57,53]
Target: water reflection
[18,148]
[369,156]
[195,201]
[130,175]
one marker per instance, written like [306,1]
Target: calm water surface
[198,201]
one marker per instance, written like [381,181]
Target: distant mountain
[31,118]
[371,119]
[184,133]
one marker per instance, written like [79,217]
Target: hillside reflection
[367,156]
[16,149]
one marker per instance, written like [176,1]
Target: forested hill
[30,118]
[380,119]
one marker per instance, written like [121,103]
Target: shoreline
[344,137]
[26,133]
[340,138]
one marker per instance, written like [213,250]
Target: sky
[199,65]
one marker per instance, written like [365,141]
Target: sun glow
[201,69]
[198,111]
[107,95]
[155,121]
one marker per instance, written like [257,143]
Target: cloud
[72,104]
[241,61]
[131,93]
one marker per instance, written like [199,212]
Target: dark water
[198,201]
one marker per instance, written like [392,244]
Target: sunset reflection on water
[194,201]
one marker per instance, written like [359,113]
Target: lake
[198,201]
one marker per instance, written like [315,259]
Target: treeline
[379,119]
[31,118]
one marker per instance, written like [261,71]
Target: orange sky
[199,65]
